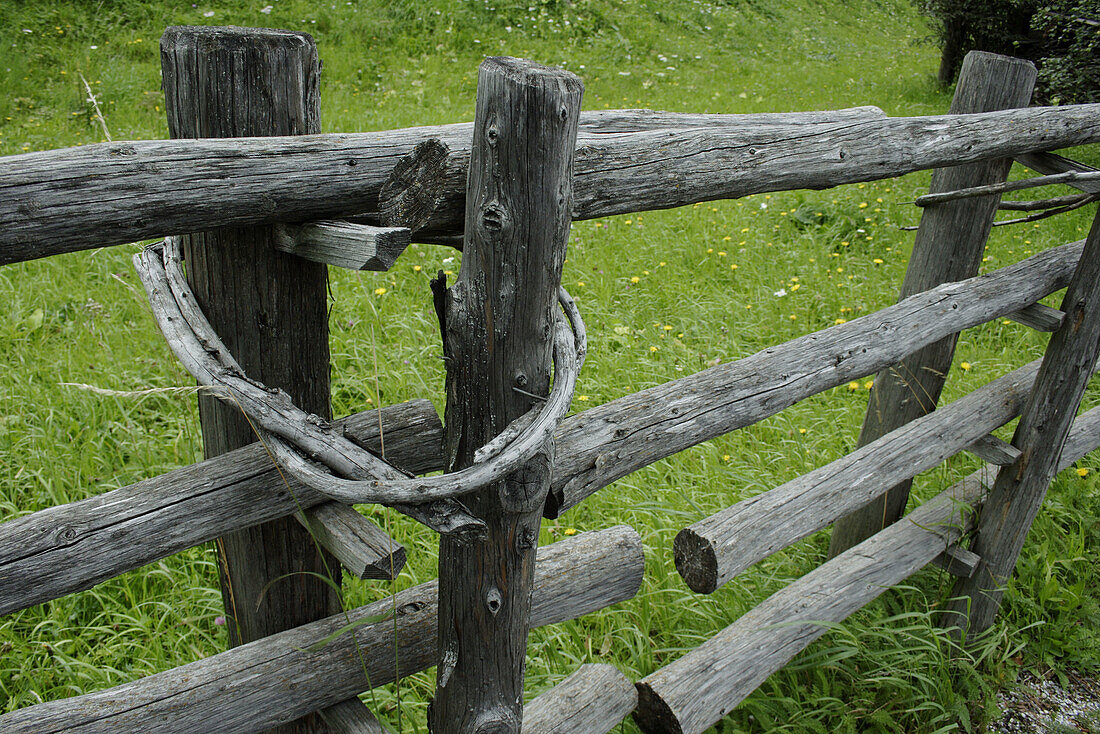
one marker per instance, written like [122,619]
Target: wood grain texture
[1044,425]
[594,699]
[949,246]
[957,561]
[1039,317]
[285,676]
[712,551]
[993,450]
[608,442]
[351,717]
[75,546]
[363,548]
[1049,164]
[500,317]
[112,193]
[343,244]
[693,693]
[268,308]
[71,547]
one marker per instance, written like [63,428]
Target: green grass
[82,319]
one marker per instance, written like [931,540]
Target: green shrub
[1062,38]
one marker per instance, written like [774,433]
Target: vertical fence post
[1019,489]
[268,307]
[498,326]
[948,247]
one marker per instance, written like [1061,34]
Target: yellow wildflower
[635,279]
[1082,472]
[379,291]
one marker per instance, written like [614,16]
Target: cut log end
[415,189]
[386,569]
[696,561]
[653,715]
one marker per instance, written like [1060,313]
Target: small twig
[1078,202]
[1027,183]
[1049,212]
[1031,206]
[95,105]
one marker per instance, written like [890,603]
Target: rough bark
[289,674]
[949,247]
[113,193]
[499,322]
[269,308]
[694,692]
[1044,425]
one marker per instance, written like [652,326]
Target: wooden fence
[278,201]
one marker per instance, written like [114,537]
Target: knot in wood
[493,217]
[497,721]
[493,601]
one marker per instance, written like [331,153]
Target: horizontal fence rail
[290,674]
[715,549]
[612,440]
[181,509]
[689,695]
[71,547]
[112,193]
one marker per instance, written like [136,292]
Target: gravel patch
[1039,705]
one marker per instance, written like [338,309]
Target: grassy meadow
[664,294]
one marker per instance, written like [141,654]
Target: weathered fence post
[268,307]
[499,317]
[1020,487]
[948,247]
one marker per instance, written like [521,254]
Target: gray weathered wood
[1051,203]
[712,551]
[607,442]
[363,548]
[71,547]
[1050,163]
[594,699]
[269,308]
[1044,425]
[284,676]
[351,717]
[993,450]
[949,246]
[78,545]
[500,317]
[957,561]
[694,692]
[1038,317]
[638,120]
[278,420]
[343,244]
[1069,178]
[112,193]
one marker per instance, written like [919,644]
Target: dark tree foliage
[1062,37]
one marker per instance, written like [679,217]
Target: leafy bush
[1062,37]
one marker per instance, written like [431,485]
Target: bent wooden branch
[290,674]
[691,694]
[71,547]
[111,193]
[76,546]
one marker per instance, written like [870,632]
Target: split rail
[278,201]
